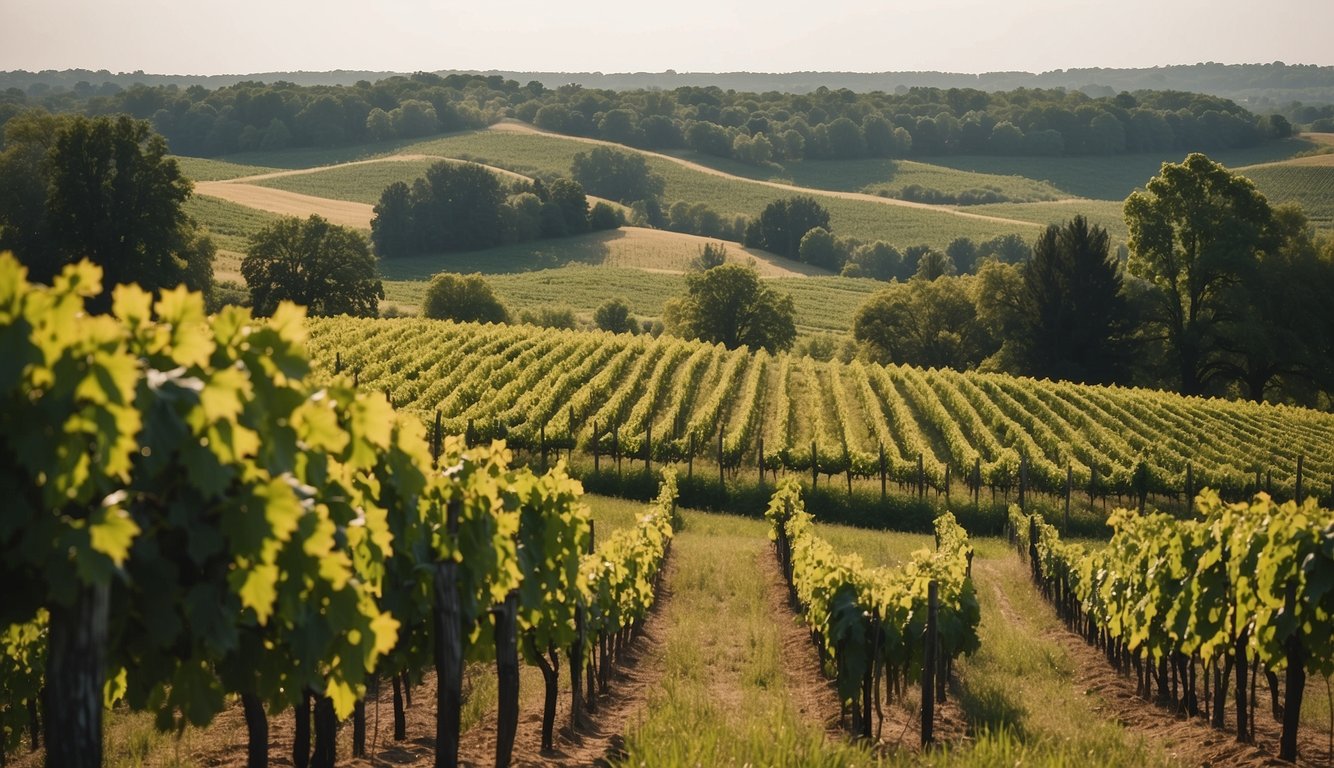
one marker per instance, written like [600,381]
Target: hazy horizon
[958,36]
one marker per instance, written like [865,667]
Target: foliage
[710,255]
[1066,317]
[878,261]
[550,317]
[102,189]
[783,223]
[614,317]
[729,305]
[465,298]
[324,267]
[1195,231]
[621,176]
[930,323]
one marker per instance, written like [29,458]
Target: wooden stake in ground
[929,664]
[507,677]
[448,619]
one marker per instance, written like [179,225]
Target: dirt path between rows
[1192,741]
[519,127]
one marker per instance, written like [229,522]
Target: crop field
[882,176]
[206,169]
[823,304]
[632,247]
[360,183]
[230,224]
[1309,184]
[674,399]
[1108,214]
[1115,177]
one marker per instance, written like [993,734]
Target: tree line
[748,126]
[1220,294]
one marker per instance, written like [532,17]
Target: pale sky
[244,36]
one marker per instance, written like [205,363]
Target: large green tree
[1282,341]
[392,228]
[617,175]
[463,298]
[931,323]
[457,208]
[1196,232]
[783,223]
[103,189]
[1071,316]
[324,267]
[730,305]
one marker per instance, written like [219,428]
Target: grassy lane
[725,698]
[1023,687]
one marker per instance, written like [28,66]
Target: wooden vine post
[759,462]
[1069,490]
[883,478]
[507,677]
[596,454]
[929,664]
[721,480]
[1297,494]
[448,619]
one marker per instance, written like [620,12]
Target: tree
[614,316]
[878,261]
[392,227]
[102,189]
[933,265]
[1071,314]
[818,248]
[550,317]
[923,322]
[730,305]
[604,216]
[462,298]
[963,252]
[1282,340]
[710,255]
[783,223]
[616,175]
[324,267]
[568,197]
[458,208]
[1195,231]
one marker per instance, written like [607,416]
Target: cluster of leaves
[869,618]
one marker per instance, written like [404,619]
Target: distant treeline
[750,127]
[1275,83]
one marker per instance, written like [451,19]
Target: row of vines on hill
[878,629]
[190,519]
[1246,586]
[672,400]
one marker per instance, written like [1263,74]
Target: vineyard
[671,400]
[1186,603]
[879,629]
[183,499]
